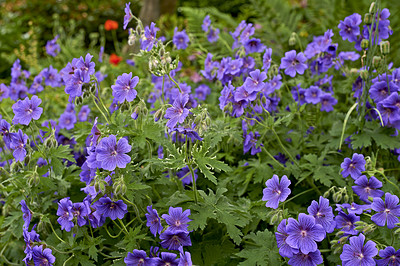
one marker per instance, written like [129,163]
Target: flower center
[177,223]
[126,88]
[360,256]
[387,211]
[113,153]
[29,111]
[352,165]
[303,233]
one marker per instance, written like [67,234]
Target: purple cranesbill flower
[353,166]
[304,233]
[202,91]
[86,65]
[356,253]
[138,257]
[380,91]
[65,213]
[109,208]
[206,23]
[276,191]
[242,94]
[80,210]
[180,39]
[124,88]
[74,84]
[112,154]
[30,238]
[149,39]
[176,219]
[3,91]
[84,113]
[323,214]
[389,257]
[37,86]
[27,214]
[18,142]
[42,256]
[173,240]
[153,221]
[185,259]
[353,208]
[250,143]
[67,120]
[51,76]
[95,133]
[298,94]
[185,176]
[26,110]
[234,66]
[310,259]
[349,28]
[387,212]
[267,59]
[367,188]
[52,47]
[255,82]
[347,222]
[327,102]
[238,108]
[281,235]
[213,35]
[253,46]
[312,95]
[246,33]
[128,15]
[166,259]
[293,63]
[178,112]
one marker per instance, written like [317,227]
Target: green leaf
[93,252]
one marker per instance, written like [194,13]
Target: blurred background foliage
[26,25]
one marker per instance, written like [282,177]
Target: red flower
[115,59]
[111,25]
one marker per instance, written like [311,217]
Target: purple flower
[267,59]
[166,259]
[138,257]
[3,91]
[310,259]
[206,23]
[173,240]
[84,113]
[387,211]
[353,166]
[346,222]
[304,233]
[353,208]
[176,219]
[180,39]
[281,235]
[149,39]
[312,95]
[367,188]
[255,81]
[327,102]
[276,191]
[153,221]
[51,77]
[26,110]
[349,28]
[178,112]
[5,132]
[202,91]
[109,208]
[357,253]
[250,143]
[27,214]
[86,65]
[124,88]
[234,66]
[254,46]
[42,256]
[213,35]
[80,210]
[52,48]
[185,259]
[18,142]
[390,257]
[66,216]
[67,120]
[128,15]
[112,154]
[323,214]
[241,94]
[74,84]
[293,63]
[30,238]
[380,91]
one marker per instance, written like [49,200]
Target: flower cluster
[52,48]
[212,33]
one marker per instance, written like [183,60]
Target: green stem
[298,195]
[134,206]
[8,262]
[116,44]
[123,226]
[272,157]
[169,75]
[105,117]
[110,235]
[283,147]
[193,183]
[387,180]
[52,229]
[65,262]
[62,252]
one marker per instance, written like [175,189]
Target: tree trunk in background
[152,9]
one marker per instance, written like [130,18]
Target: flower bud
[326,194]
[158,115]
[397,231]
[364,44]
[368,18]
[359,228]
[342,239]
[337,250]
[337,197]
[41,226]
[364,74]
[292,39]
[385,47]
[372,7]
[78,100]
[33,180]
[376,61]
[334,242]
[27,159]
[346,198]
[274,218]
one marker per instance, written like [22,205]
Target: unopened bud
[292,39]
[327,194]
[158,115]
[78,100]
[334,242]
[274,218]
[364,44]
[27,159]
[359,228]
[346,198]
[368,18]
[337,197]
[385,47]
[33,180]
[342,239]
[364,74]
[337,250]
[372,7]
[41,226]
[376,61]
[397,231]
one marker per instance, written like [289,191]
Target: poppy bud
[385,47]
[376,61]
[364,44]
[364,74]
[368,18]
